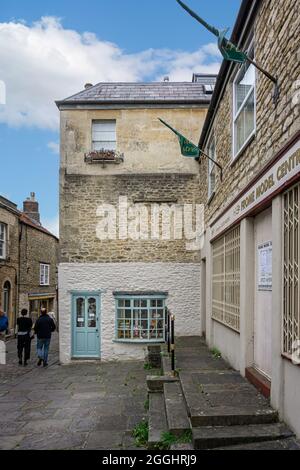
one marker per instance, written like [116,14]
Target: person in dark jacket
[24,325]
[44,326]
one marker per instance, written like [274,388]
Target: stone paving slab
[81,406]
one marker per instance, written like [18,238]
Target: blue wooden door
[86,326]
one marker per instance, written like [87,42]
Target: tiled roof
[159,92]
[28,221]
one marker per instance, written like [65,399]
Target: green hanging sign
[188,149]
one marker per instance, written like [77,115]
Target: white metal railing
[291,262]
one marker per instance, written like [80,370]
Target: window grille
[226,279]
[291,261]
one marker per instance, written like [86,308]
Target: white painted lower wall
[228,342]
[181,281]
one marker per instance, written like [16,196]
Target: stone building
[28,261]
[250,307]
[9,258]
[116,157]
[38,262]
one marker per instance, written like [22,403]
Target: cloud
[52,225]
[54,147]
[44,62]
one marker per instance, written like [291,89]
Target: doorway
[263,293]
[86,326]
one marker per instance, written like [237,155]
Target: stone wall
[9,266]
[82,195]
[36,247]
[148,146]
[277,30]
[181,281]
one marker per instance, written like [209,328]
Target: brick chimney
[31,208]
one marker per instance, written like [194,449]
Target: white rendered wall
[181,281]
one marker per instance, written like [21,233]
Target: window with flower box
[140,318]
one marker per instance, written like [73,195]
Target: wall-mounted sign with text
[285,169]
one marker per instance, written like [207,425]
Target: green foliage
[140,434]
[216,353]
[147,366]
[168,439]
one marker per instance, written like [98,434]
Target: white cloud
[44,61]
[54,147]
[52,225]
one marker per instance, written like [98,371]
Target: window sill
[243,149]
[289,359]
[138,341]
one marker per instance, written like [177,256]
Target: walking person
[44,327]
[3,324]
[24,325]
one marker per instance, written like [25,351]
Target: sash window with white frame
[44,274]
[291,265]
[104,135]
[211,166]
[3,240]
[244,119]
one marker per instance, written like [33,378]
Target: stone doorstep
[157,419]
[223,436]
[259,381]
[177,416]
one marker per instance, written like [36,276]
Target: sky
[50,48]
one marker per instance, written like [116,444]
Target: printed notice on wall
[265,266]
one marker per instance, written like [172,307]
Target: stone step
[282,444]
[222,436]
[182,447]
[157,419]
[224,398]
[177,417]
[156,383]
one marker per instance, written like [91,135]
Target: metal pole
[173,343]
[168,333]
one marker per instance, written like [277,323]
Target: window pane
[245,123]
[104,146]
[92,321]
[244,85]
[80,313]
[140,322]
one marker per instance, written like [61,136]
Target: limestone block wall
[36,247]
[180,280]
[276,38]
[82,195]
[148,146]
[10,266]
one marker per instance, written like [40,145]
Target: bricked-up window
[211,166]
[3,240]
[291,264]
[104,135]
[140,319]
[226,279]
[44,274]
[244,106]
